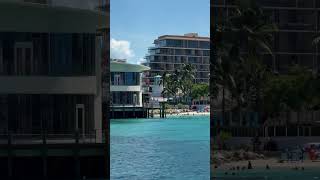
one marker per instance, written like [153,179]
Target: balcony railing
[96,5]
[95,136]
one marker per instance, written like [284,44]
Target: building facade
[50,76]
[172,51]
[126,89]
[298,24]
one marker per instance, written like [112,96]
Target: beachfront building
[153,93]
[126,89]
[298,24]
[170,52]
[50,76]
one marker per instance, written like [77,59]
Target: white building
[156,89]
[126,88]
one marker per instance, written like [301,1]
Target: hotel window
[174,43]
[23,58]
[193,44]
[61,54]
[205,44]
[206,53]
[116,79]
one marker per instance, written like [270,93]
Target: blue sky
[135,24]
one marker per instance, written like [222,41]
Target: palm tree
[236,65]
[170,85]
[186,80]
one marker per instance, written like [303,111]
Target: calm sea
[152,149]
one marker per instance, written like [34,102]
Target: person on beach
[249,165]
[301,157]
[267,167]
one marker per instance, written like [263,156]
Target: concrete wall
[125,88]
[29,17]
[48,85]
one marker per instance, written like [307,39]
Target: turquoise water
[273,174]
[152,149]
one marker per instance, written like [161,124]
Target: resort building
[50,76]
[126,89]
[153,92]
[172,51]
[298,24]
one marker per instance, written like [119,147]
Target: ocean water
[167,149]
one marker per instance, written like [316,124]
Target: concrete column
[98,96]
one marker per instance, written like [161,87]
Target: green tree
[170,85]
[199,90]
[249,30]
[186,81]
[180,81]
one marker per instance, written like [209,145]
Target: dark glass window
[205,44]
[174,43]
[206,53]
[55,114]
[47,54]
[125,78]
[125,98]
[193,44]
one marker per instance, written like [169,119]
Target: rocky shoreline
[221,157]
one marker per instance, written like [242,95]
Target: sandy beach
[189,114]
[272,162]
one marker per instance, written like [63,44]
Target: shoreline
[189,114]
[271,162]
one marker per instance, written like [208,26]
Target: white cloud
[120,49]
[141,60]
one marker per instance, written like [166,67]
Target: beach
[189,114]
[272,162]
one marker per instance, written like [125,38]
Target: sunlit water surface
[152,149]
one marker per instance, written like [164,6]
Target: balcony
[48,85]
[93,137]
[78,4]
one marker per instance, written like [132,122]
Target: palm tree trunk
[223,102]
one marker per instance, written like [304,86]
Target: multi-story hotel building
[172,51]
[298,23]
[126,89]
[50,76]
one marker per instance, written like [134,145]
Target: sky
[135,24]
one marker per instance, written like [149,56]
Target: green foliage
[181,81]
[242,75]
[199,90]
[295,91]
[224,136]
